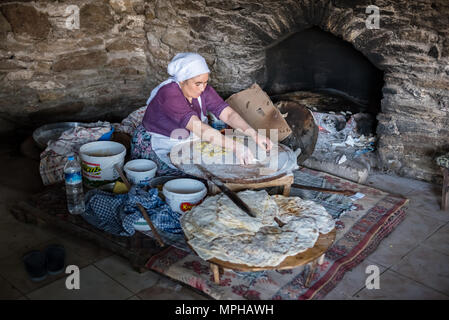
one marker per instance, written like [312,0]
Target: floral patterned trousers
[141,149]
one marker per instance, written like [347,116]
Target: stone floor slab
[390,183]
[428,203]
[393,286]
[8,291]
[12,268]
[88,252]
[353,281]
[439,241]
[407,236]
[19,237]
[426,266]
[166,289]
[94,285]
[119,269]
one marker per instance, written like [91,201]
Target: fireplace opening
[341,88]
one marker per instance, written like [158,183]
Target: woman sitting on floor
[182,102]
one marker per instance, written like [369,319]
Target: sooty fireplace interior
[341,88]
[317,60]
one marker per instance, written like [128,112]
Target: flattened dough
[217,228]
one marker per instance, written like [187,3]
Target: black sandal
[55,259]
[35,265]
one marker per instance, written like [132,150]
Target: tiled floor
[413,261]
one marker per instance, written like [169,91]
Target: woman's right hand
[243,154]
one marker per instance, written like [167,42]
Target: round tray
[52,131]
[322,244]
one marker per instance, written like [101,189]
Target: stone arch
[250,35]
[409,47]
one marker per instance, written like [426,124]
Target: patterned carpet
[359,232]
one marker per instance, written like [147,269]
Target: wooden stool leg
[321,259]
[311,272]
[212,188]
[288,185]
[216,271]
[445,193]
[287,188]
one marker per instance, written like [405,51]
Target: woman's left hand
[264,142]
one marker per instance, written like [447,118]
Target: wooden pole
[153,228]
[141,208]
[122,175]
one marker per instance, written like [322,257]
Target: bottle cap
[71,157]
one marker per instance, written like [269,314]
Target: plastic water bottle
[74,186]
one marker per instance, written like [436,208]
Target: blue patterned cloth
[335,204]
[116,213]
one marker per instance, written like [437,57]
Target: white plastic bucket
[182,194]
[140,171]
[97,161]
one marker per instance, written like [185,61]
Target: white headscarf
[183,66]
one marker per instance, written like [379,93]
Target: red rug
[359,232]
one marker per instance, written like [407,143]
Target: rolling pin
[153,228]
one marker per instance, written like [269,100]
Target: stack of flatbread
[217,228]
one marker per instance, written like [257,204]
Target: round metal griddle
[235,173]
[52,131]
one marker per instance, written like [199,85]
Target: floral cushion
[443,161]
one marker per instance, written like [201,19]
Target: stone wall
[109,65]
[50,71]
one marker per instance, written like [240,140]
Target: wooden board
[257,109]
[304,129]
[285,182]
[234,173]
[323,243]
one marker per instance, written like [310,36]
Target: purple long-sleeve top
[170,110]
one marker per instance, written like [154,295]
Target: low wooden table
[284,181]
[314,255]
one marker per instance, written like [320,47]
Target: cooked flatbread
[295,206]
[217,228]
